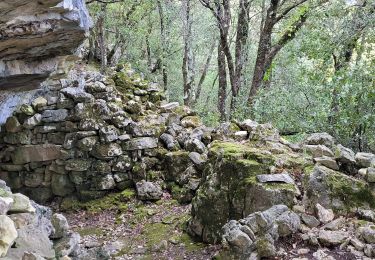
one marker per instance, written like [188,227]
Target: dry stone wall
[86,138]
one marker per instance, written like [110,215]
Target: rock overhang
[36,36]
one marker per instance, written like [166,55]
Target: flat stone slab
[36,153]
[282,177]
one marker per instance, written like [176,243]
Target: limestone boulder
[148,191]
[365,159]
[8,234]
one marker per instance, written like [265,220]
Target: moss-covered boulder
[336,190]
[230,188]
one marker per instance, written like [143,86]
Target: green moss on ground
[114,201]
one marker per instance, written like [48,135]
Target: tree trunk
[188,70]
[204,72]
[163,44]
[102,43]
[222,92]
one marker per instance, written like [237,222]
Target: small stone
[39,103]
[190,121]
[108,134]
[288,223]
[321,255]
[283,177]
[299,208]
[320,138]
[327,162]
[332,238]
[32,121]
[140,144]
[357,244]
[240,135]
[319,150]
[345,155]
[303,251]
[310,221]
[370,174]
[12,125]
[365,160]
[58,115]
[60,225]
[368,233]
[324,215]
[169,107]
[27,110]
[335,224]
[148,191]
[21,204]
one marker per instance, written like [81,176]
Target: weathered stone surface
[21,204]
[327,162]
[35,36]
[195,145]
[77,94]
[345,155]
[109,134]
[332,238]
[170,142]
[27,110]
[148,190]
[283,177]
[319,150]
[32,121]
[12,125]
[191,121]
[78,165]
[335,190]
[36,153]
[370,174]
[8,234]
[231,172]
[106,151]
[59,115]
[365,159]
[310,220]
[368,233]
[324,215]
[60,226]
[258,233]
[61,185]
[140,144]
[320,138]
[5,204]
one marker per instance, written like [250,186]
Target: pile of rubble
[32,231]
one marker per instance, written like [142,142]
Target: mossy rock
[336,190]
[230,189]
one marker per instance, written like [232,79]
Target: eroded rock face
[231,188]
[35,35]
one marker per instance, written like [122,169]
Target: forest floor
[139,230]
[131,229]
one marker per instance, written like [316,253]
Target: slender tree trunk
[188,70]
[163,44]
[102,42]
[222,92]
[204,72]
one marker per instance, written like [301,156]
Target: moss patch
[115,201]
[351,191]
